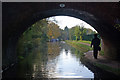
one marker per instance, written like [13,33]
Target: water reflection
[56,60]
[63,63]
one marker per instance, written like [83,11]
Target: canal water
[52,60]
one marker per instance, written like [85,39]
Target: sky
[64,21]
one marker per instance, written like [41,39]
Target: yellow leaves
[53,31]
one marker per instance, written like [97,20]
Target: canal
[54,60]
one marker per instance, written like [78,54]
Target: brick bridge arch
[17,17]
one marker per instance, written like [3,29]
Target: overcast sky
[64,21]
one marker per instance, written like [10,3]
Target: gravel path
[101,59]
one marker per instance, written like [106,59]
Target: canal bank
[102,63]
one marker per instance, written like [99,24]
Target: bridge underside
[17,17]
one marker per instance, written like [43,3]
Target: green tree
[32,37]
[72,33]
[82,32]
[66,33]
[77,32]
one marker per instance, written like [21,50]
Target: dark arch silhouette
[17,17]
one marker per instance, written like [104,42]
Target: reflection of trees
[65,46]
[66,51]
[53,49]
[43,62]
[77,52]
[34,63]
[40,61]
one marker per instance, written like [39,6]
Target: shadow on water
[55,61]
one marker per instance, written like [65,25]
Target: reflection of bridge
[17,17]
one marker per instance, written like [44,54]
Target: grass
[83,48]
[89,42]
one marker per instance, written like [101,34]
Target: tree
[72,33]
[82,32]
[32,37]
[77,32]
[66,31]
[53,31]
